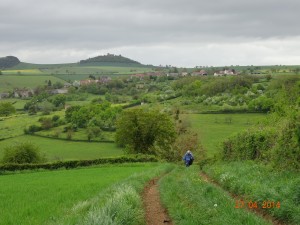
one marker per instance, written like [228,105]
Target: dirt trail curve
[156,214]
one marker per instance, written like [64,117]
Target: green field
[96,70]
[66,150]
[14,125]
[23,71]
[214,128]
[11,82]
[44,197]
[17,103]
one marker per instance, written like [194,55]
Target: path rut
[156,214]
[259,212]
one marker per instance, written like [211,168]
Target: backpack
[191,161]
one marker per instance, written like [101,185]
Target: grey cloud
[113,24]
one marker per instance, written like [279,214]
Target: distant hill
[110,59]
[8,62]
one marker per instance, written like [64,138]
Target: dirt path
[259,212]
[155,213]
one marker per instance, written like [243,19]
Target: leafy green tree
[144,132]
[69,112]
[262,104]
[6,108]
[59,100]
[92,132]
[22,153]
[46,123]
[57,85]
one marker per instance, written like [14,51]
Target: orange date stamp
[267,204]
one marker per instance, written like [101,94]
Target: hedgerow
[77,163]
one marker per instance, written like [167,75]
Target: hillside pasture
[95,70]
[14,125]
[11,82]
[54,149]
[17,103]
[214,128]
[45,197]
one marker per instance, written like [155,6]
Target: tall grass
[190,201]
[260,183]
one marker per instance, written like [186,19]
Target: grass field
[17,103]
[66,150]
[14,125]
[96,70]
[44,197]
[11,82]
[260,184]
[214,128]
[23,71]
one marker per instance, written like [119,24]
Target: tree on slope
[142,131]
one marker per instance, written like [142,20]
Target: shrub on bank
[278,146]
[22,153]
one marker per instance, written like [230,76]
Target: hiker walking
[188,158]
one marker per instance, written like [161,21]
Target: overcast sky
[174,32]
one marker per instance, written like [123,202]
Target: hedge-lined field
[10,82]
[215,128]
[45,197]
[76,163]
[66,150]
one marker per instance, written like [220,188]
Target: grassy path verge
[262,185]
[192,201]
[238,202]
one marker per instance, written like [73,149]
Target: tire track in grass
[155,213]
[258,211]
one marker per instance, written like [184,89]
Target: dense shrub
[6,108]
[287,148]
[22,153]
[250,145]
[261,104]
[278,146]
[32,129]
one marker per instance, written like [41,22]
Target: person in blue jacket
[188,158]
